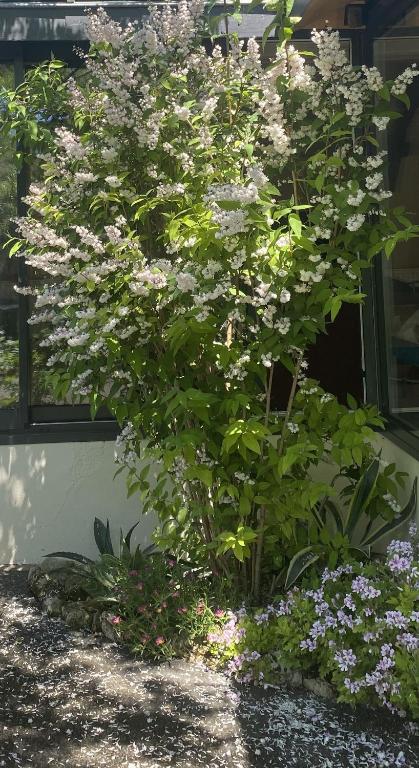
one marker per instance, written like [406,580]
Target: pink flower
[116,619]
[132,573]
[219,613]
[171,563]
[176,593]
[182,610]
[159,640]
[200,608]
[142,609]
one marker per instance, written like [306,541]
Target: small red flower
[160,640]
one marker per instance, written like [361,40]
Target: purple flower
[387,650]
[344,619]
[363,587]
[398,564]
[349,603]
[408,641]
[402,548]
[317,630]
[346,659]
[396,619]
[308,645]
[261,618]
[384,664]
[353,686]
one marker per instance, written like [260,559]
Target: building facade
[56,465]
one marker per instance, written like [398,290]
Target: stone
[107,628]
[319,687]
[294,678]
[53,605]
[40,583]
[75,615]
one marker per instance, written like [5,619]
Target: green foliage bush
[356,628]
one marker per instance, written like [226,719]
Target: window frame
[58,423]
[382,16]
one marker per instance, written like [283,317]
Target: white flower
[183,113]
[284,296]
[185,281]
[357,198]
[373,181]
[113,181]
[381,122]
[355,222]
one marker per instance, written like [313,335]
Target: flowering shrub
[357,629]
[161,608]
[200,219]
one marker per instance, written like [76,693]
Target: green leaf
[102,537]
[71,556]
[300,562]
[295,224]
[400,519]
[362,496]
[251,443]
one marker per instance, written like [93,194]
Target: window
[9,345]
[398,304]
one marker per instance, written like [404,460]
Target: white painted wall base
[404,462]
[50,494]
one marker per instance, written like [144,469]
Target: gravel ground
[72,699]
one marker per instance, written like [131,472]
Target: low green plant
[357,629]
[367,514]
[102,536]
[162,608]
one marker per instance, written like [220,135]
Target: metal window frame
[381,17]
[26,424]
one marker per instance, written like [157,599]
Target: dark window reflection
[401,273]
[9,347]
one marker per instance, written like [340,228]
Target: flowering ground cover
[71,700]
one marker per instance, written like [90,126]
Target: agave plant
[351,530]
[104,544]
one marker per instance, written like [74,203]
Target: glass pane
[41,391]
[320,13]
[410,20]
[401,273]
[9,346]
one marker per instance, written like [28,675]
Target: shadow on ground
[74,700]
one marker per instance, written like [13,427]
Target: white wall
[50,494]
[404,462]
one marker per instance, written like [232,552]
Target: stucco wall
[50,494]
[404,461]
